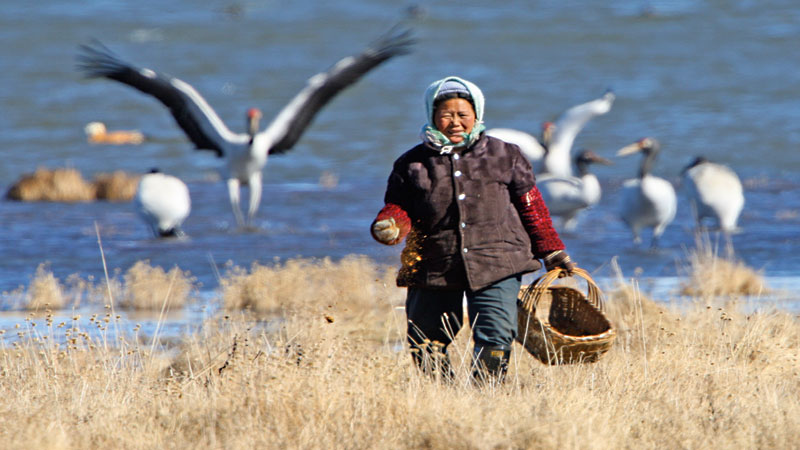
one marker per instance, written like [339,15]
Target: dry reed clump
[116,187]
[68,185]
[355,287]
[45,291]
[59,185]
[712,275]
[150,288]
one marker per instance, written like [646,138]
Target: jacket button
[457,173]
[456,156]
[466,250]
[462,196]
[463,225]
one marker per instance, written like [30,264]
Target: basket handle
[595,295]
[537,290]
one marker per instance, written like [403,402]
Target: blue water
[713,78]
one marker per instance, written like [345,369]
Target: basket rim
[534,291]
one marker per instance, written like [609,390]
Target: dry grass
[712,275]
[149,288]
[81,291]
[58,185]
[707,378]
[707,375]
[354,289]
[117,186]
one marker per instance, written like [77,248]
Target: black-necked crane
[245,153]
[565,197]
[647,201]
[163,202]
[715,192]
[557,137]
[534,149]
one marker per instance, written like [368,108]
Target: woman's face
[453,117]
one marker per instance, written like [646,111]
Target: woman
[475,223]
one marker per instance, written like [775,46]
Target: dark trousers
[436,315]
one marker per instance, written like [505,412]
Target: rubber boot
[433,360]
[491,363]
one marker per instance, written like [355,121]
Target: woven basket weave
[573,328]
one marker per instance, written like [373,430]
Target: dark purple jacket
[466,232]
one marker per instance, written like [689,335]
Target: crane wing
[572,121]
[193,114]
[287,127]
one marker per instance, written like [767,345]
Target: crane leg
[233,193]
[255,196]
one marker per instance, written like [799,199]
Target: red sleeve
[390,210]
[536,220]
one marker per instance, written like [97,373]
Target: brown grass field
[316,360]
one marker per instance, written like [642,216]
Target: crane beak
[630,149]
[592,157]
[253,119]
[597,159]
[547,132]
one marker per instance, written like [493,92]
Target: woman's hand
[386,231]
[559,259]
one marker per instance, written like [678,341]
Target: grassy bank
[319,365]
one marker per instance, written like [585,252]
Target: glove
[559,259]
[391,225]
[386,231]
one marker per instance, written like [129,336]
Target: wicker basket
[572,328]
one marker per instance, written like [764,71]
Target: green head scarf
[435,137]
